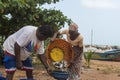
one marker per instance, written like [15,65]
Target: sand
[99,70]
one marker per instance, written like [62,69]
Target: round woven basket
[65,51]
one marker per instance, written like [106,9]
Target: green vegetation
[87,57]
[1,55]
[15,14]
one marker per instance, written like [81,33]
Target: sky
[98,17]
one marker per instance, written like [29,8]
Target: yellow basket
[59,50]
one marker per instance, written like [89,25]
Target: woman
[76,39]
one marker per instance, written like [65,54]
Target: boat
[112,55]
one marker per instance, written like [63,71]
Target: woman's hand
[71,63]
[54,36]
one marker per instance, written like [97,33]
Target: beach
[99,70]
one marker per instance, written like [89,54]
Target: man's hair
[46,30]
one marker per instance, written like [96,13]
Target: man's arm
[43,59]
[17,56]
[44,62]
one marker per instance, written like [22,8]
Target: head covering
[73,27]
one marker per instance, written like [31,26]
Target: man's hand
[19,65]
[49,71]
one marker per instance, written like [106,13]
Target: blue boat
[113,55]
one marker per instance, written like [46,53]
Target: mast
[91,37]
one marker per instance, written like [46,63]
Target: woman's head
[73,27]
[73,31]
[44,31]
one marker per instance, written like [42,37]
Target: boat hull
[107,55]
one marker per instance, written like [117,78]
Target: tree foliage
[27,12]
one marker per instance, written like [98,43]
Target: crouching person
[20,45]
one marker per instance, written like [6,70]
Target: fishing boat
[108,54]
[113,55]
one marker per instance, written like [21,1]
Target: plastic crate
[25,79]
[60,75]
[2,78]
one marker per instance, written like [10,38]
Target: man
[19,46]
